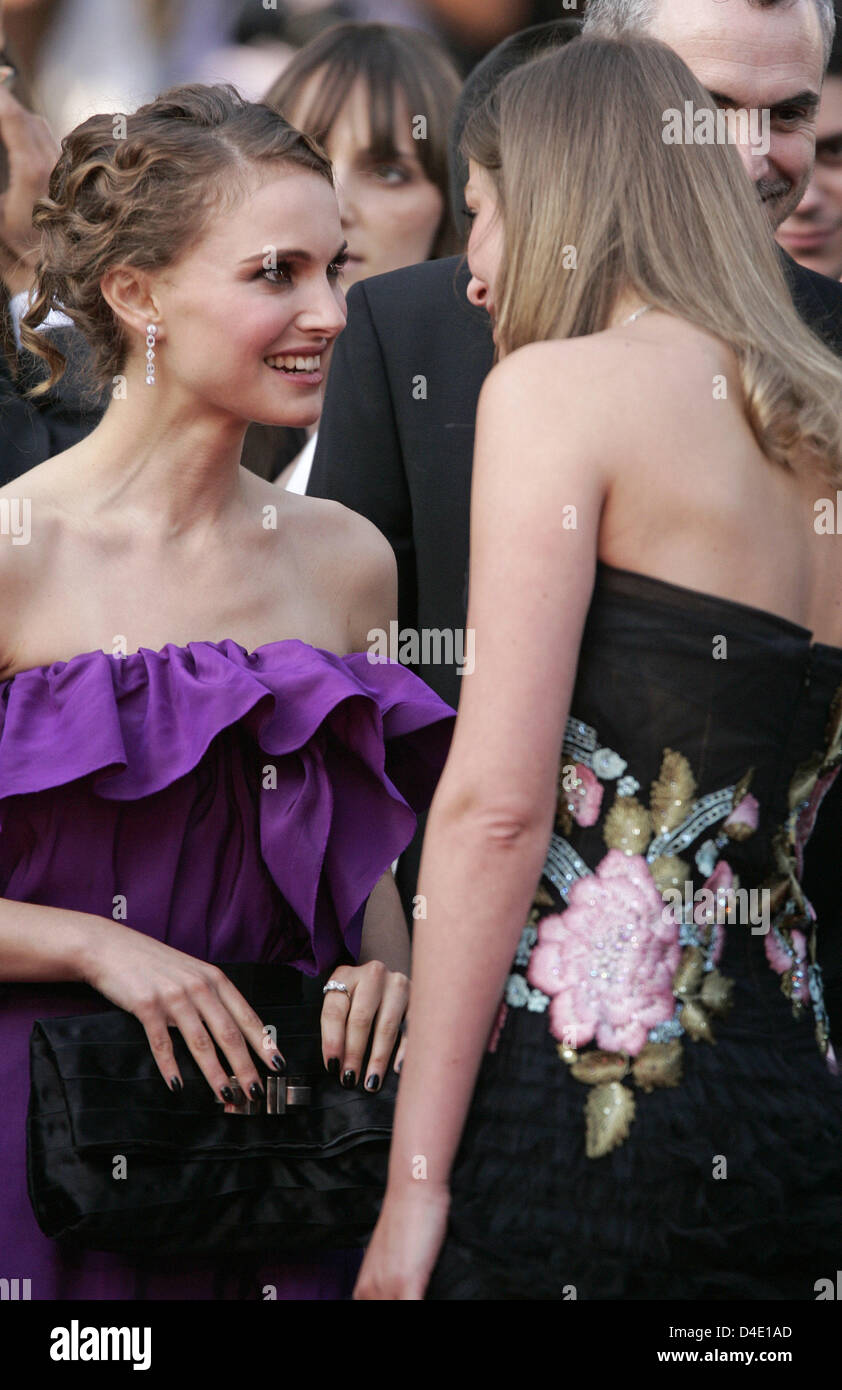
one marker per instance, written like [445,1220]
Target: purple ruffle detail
[357,749]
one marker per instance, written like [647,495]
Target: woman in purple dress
[198,761]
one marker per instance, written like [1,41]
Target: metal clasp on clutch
[282,1092]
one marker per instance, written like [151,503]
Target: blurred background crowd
[77,57]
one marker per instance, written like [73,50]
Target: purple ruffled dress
[238,806]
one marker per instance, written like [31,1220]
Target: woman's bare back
[692,499]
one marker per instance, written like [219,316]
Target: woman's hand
[165,988]
[406,1244]
[376,996]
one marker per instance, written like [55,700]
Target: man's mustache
[773,188]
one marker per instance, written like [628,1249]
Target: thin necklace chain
[636,315]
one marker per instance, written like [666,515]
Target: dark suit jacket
[396,436]
[33,430]
[396,444]
[818,301]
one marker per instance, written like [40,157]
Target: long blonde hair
[573,142]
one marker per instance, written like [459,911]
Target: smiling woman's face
[240,301]
[390,209]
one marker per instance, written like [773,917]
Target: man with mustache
[751,55]
[397,432]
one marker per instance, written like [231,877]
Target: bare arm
[385,936]
[379,985]
[163,987]
[374,605]
[491,817]
[43,943]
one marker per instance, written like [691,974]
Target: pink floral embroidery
[608,961]
[807,819]
[722,879]
[746,813]
[781,961]
[586,799]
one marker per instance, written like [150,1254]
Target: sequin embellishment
[623,974]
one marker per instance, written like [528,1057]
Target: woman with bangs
[619,1081]
[378,98]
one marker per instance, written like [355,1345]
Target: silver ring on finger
[336,984]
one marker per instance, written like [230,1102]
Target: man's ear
[128,292]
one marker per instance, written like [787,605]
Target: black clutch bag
[115,1161]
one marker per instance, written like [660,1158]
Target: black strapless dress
[659,1113]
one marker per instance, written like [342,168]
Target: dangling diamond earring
[151,331]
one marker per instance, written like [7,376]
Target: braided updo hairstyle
[137,190]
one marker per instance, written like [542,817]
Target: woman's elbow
[495,823]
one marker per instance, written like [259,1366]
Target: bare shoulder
[608,387]
[340,557]
[31,509]
[354,551]
[359,569]
[331,526]
[30,527]
[542,385]
[540,374]
[638,353]
[551,402]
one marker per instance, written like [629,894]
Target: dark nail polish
[255,1091]
[372,1082]
[349,1080]
[333,1065]
[175,1084]
[227,1095]
[278,1063]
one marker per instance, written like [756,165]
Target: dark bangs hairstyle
[392,61]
